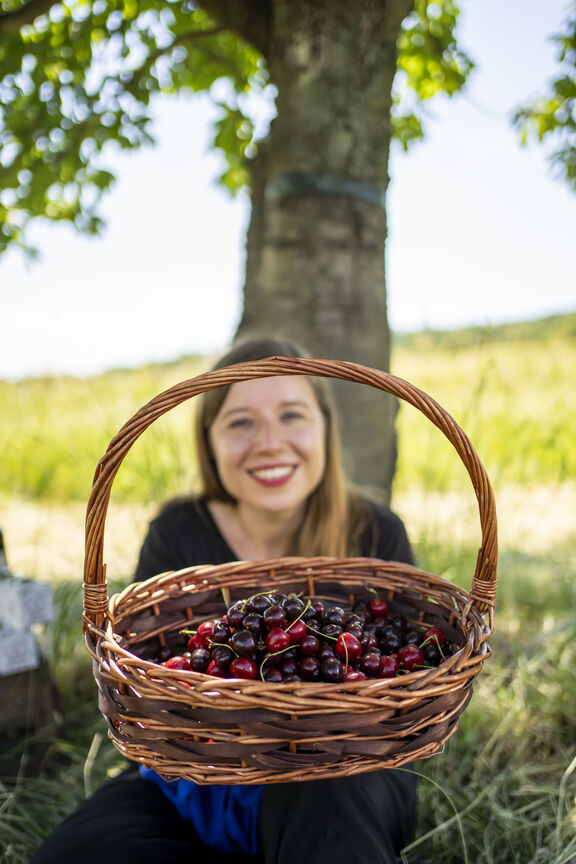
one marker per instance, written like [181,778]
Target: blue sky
[479,230]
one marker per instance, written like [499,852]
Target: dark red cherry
[331,670]
[235,614]
[243,667]
[410,656]
[272,675]
[259,603]
[309,645]
[221,631]
[310,668]
[254,622]
[293,607]
[243,642]
[354,675]
[274,616]
[204,633]
[435,635]
[388,666]
[199,660]
[370,663]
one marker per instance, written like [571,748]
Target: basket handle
[483,588]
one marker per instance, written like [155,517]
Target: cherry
[199,660]
[222,655]
[254,622]
[432,653]
[289,667]
[243,642]
[410,656]
[334,615]
[221,631]
[391,643]
[274,616]
[412,636]
[353,675]
[309,645]
[326,650]
[310,668]
[277,640]
[192,644]
[291,679]
[297,631]
[330,632]
[215,671]
[204,633]
[177,662]
[369,641]
[331,669]
[348,646]
[378,607]
[259,603]
[434,634]
[243,667]
[235,614]
[370,663]
[294,607]
[388,665]
[273,675]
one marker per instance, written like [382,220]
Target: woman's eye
[288,416]
[240,423]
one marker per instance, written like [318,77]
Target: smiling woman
[267,441]
[272,485]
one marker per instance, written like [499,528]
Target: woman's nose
[268,436]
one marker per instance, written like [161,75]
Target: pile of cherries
[287,638]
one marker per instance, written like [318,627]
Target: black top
[184,534]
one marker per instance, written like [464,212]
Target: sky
[480,231]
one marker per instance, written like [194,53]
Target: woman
[272,484]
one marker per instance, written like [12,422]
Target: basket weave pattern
[213,730]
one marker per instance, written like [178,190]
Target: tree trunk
[315,245]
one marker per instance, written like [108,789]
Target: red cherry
[177,662]
[297,631]
[204,633]
[277,640]
[389,666]
[193,644]
[243,667]
[348,647]
[378,607]
[214,669]
[354,675]
[435,635]
[410,656]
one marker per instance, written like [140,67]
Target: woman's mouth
[273,475]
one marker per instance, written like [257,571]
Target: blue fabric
[225,817]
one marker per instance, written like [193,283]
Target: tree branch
[26,14]
[250,19]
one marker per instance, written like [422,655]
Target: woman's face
[268,440]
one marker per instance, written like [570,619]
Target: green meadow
[503,791]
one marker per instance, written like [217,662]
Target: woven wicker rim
[96,602]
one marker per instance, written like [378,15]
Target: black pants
[364,819]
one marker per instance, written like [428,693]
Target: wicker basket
[213,730]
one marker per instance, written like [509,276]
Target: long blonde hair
[331,523]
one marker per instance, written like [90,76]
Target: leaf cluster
[552,116]
[79,80]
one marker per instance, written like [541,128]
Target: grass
[503,791]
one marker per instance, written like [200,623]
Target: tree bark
[315,244]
